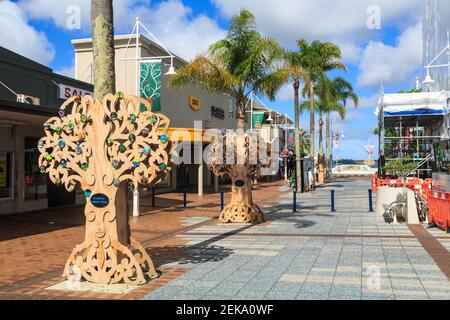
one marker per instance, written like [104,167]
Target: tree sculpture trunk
[328,143]
[102,20]
[241,208]
[320,158]
[298,154]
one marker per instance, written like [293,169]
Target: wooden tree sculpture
[244,150]
[106,147]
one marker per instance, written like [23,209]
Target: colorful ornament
[48,157]
[109,142]
[88,193]
[70,125]
[116,183]
[61,144]
[61,113]
[119,95]
[145,132]
[85,166]
[146,150]
[40,144]
[81,136]
[136,161]
[58,130]
[132,138]
[115,164]
[162,166]
[83,118]
[131,187]
[122,148]
[43,169]
[63,164]
[132,118]
[153,119]
[79,150]
[113,116]
[46,126]
[163,138]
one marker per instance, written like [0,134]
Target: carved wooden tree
[244,149]
[107,146]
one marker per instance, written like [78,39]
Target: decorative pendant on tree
[120,147]
[244,151]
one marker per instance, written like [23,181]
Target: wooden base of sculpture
[241,208]
[108,255]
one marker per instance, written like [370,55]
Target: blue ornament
[88,193]
[163,138]
[61,144]
[116,183]
[79,150]
[146,150]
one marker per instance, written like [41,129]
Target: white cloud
[392,64]
[171,21]
[18,36]
[341,21]
[68,71]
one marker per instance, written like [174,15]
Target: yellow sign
[2,170]
[194,103]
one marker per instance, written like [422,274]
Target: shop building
[30,93]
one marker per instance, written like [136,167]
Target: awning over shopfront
[414,104]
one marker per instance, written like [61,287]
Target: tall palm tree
[103,47]
[241,63]
[293,71]
[317,59]
[342,91]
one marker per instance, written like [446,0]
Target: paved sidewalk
[312,254]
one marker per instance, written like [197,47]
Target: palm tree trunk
[297,137]
[103,47]
[328,141]
[240,110]
[311,120]
[320,158]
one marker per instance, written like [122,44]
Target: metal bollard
[222,201]
[294,205]
[153,197]
[370,200]
[333,208]
[185,199]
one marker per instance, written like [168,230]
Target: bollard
[222,201]
[333,209]
[370,200]
[294,205]
[153,197]
[185,199]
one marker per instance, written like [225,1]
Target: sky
[381,41]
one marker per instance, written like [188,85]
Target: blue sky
[391,54]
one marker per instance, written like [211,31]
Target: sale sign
[65,92]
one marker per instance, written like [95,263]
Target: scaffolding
[409,125]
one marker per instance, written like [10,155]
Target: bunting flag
[257,120]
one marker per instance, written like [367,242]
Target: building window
[5,175]
[35,183]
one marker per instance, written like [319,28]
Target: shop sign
[217,113]
[194,103]
[65,92]
[100,200]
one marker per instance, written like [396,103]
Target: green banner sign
[257,120]
[151,83]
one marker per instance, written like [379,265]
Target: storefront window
[35,183]
[5,175]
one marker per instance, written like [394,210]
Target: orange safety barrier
[419,186]
[439,208]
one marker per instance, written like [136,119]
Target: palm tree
[342,91]
[293,71]
[333,96]
[317,58]
[241,63]
[103,46]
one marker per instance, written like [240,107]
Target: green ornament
[58,130]
[163,138]
[109,142]
[143,108]
[48,157]
[131,187]
[132,137]
[132,118]
[162,166]
[113,116]
[70,125]
[83,118]
[119,95]
[85,166]
[43,169]
[88,193]
[122,148]
[153,119]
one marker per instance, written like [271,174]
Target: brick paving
[34,246]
